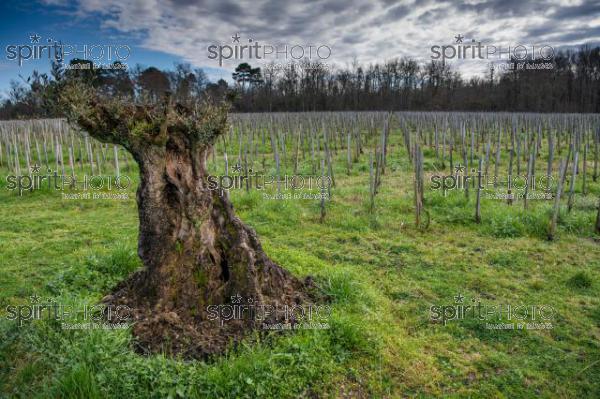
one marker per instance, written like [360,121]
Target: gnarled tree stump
[195,251]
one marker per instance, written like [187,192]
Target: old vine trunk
[195,251]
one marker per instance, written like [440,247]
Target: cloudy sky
[162,32]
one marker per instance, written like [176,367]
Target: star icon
[35,168]
[34,298]
[236,38]
[459,298]
[236,298]
[459,38]
[237,168]
[35,38]
[459,168]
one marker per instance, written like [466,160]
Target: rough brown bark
[195,251]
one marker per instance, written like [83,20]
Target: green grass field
[381,272]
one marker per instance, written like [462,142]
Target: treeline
[37,96]
[572,84]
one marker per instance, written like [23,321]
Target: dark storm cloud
[540,32]
[432,16]
[352,38]
[335,6]
[505,8]
[228,11]
[585,10]
[395,13]
[183,3]
[272,8]
[580,35]
[364,8]
[368,30]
